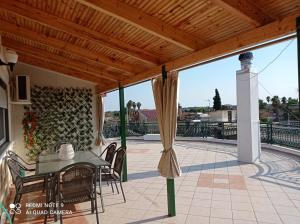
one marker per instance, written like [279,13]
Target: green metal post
[223,130]
[268,133]
[298,50]
[123,130]
[271,133]
[171,197]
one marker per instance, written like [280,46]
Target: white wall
[222,115]
[43,77]
[5,179]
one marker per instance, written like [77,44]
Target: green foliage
[262,104]
[62,115]
[283,100]
[264,120]
[292,101]
[217,101]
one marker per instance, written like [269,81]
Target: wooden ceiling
[121,42]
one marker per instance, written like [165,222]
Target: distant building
[144,116]
[223,115]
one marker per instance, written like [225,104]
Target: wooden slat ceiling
[121,42]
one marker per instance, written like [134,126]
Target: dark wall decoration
[61,114]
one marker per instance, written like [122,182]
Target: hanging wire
[280,53]
[272,61]
[267,66]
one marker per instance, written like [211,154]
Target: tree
[129,104]
[138,105]
[276,104]
[275,101]
[268,98]
[283,100]
[217,100]
[292,101]
[262,104]
[134,105]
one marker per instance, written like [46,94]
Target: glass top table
[50,163]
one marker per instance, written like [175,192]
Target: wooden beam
[245,40]
[246,10]
[146,22]
[39,62]
[91,56]
[78,65]
[82,32]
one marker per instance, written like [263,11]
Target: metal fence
[272,133]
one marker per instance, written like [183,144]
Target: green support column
[298,50]
[123,130]
[171,197]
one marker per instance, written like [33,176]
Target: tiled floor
[214,188]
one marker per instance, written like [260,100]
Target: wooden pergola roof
[112,42]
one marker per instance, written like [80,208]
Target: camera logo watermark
[39,209]
[15,208]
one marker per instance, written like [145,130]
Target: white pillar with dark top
[248,125]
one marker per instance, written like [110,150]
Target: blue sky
[197,85]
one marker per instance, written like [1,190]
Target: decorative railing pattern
[285,135]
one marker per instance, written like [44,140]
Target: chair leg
[122,190]
[92,206]
[112,187]
[96,207]
[58,209]
[101,198]
[15,202]
[116,186]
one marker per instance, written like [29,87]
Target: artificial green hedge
[62,114]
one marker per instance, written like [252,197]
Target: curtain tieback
[166,150]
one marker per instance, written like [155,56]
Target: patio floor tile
[214,188]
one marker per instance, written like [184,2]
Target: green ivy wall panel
[63,114]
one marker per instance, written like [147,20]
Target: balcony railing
[285,135]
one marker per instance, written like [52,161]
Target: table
[50,164]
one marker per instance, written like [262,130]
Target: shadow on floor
[149,220]
[275,167]
[186,169]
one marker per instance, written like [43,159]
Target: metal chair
[116,170]
[77,183]
[26,166]
[109,156]
[23,184]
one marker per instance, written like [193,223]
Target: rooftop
[214,188]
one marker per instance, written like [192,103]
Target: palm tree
[134,105]
[268,98]
[128,105]
[283,100]
[138,105]
[276,104]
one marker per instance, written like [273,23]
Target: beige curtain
[100,140]
[165,97]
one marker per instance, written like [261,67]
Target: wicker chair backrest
[120,156]
[110,152]
[77,181]
[15,170]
